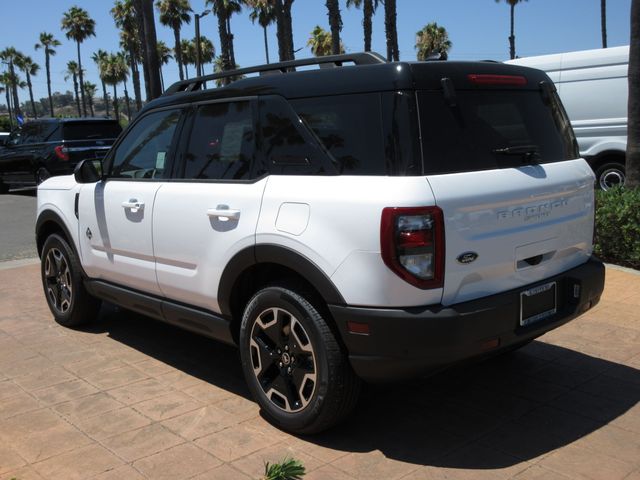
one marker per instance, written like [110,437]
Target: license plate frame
[547,294]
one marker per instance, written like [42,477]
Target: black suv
[53,146]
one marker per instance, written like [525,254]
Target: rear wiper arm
[528,152]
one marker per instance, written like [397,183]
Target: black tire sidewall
[609,166]
[283,298]
[56,241]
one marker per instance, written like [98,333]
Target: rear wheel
[41,175]
[293,363]
[68,300]
[609,175]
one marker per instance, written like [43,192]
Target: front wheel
[68,300]
[293,363]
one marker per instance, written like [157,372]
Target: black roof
[71,120]
[337,80]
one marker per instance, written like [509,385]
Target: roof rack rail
[197,83]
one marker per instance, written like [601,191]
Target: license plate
[538,303]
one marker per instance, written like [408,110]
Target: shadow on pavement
[520,405]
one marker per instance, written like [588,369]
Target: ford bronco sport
[372,221]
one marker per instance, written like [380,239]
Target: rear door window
[91,130]
[490,129]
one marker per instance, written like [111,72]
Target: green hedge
[618,226]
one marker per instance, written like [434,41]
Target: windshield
[490,129]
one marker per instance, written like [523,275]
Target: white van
[594,90]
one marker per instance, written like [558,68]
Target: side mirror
[86,171]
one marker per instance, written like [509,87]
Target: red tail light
[507,80]
[412,244]
[61,153]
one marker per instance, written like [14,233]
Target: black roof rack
[193,84]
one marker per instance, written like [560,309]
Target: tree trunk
[152,64]
[232,54]
[33,104]
[281,32]
[603,22]
[224,40]
[178,52]
[14,90]
[633,138]
[367,24]
[84,105]
[335,22]
[512,37]
[127,101]
[6,92]
[139,10]
[90,100]
[75,89]
[48,68]
[391,30]
[288,25]
[266,44]
[106,99]
[135,77]
[186,71]
[161,80]
[115,102]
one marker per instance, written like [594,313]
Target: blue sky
[477,28]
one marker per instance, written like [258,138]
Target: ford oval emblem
[467,257]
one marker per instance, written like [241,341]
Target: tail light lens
[62,153]
[412,244]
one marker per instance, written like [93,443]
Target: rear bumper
[411,342]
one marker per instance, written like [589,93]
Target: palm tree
[124,15]
[224,9]
[391,30]
[90,90]
[433,40]
[73,72]
[164,55]
[99,57]
[149,42]
[368,9]
[173,13]
[218,68]
[335,22]
[114,70]
[9,55]
[30,68]
[79,26]
[264,13]
[207,50]
[7,81]
[633,139]
[512,37]
[47,43]
[603,22]
[188,54]
[321,42]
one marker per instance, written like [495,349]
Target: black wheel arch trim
[51,216]
[278,255]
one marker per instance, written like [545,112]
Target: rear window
[491,129]
[91,130]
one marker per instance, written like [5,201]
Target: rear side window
[350,128]
[37,132]
[490,129]
[91,130]
[222,142]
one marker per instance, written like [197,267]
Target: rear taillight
[412,244]
[506,80]
[61,153]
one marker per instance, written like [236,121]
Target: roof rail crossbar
[363,58]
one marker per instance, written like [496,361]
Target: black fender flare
[278,255]
[51,216]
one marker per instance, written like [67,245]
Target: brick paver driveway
[132,398]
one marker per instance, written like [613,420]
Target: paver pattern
[131,398]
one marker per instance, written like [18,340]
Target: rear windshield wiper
[528,152]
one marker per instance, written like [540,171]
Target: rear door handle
[133,204]
[223,214]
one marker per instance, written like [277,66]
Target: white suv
[374,221]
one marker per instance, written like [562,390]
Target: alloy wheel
[283,359]
[58,280]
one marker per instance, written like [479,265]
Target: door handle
[223,214]
[134,204]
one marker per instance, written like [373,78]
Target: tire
[610,174]
[307,384]
[41,175]
[68,300]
